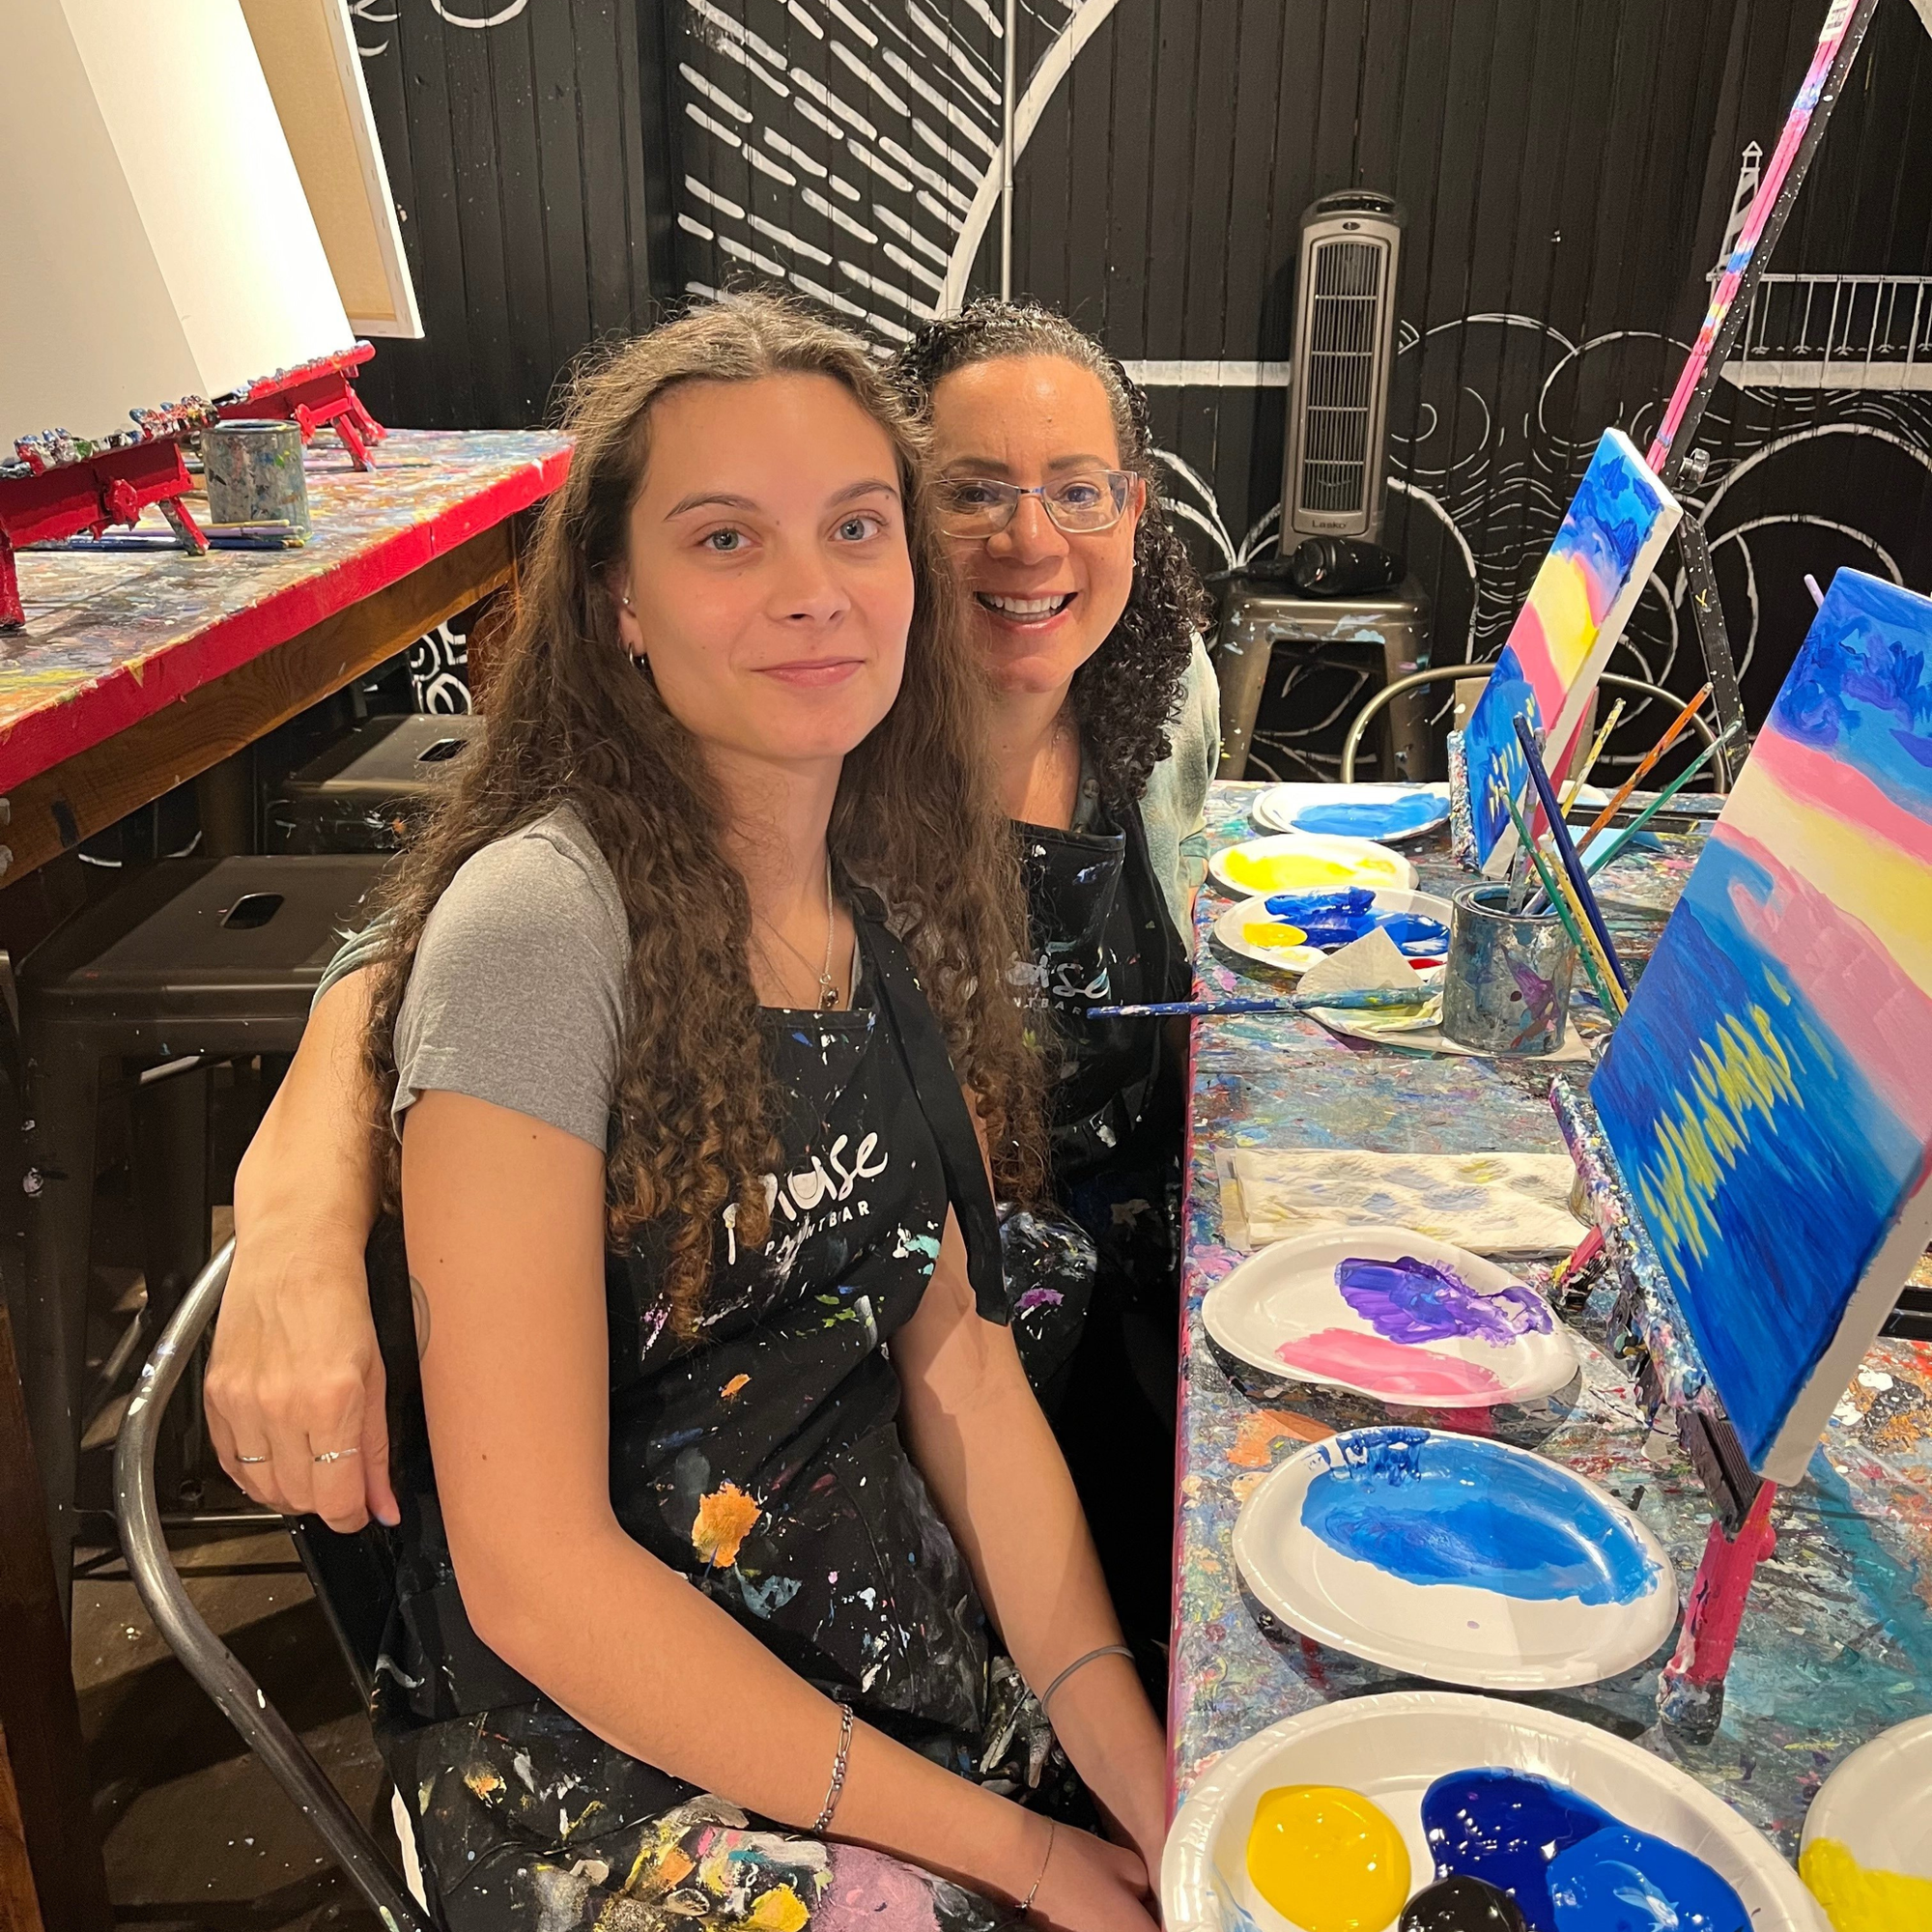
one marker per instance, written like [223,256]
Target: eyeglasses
[983,507]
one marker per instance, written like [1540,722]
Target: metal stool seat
[189,961]
[362,794]
[1380,637]
[344,1570]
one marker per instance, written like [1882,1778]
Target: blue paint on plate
[1567,1863]
[1332,919]
[1379,818]
[1625,1880]
[1504,1828]
[1434,1508]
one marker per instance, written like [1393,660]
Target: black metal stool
[361,794]
[189,960]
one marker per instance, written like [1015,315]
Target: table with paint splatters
[1836,1644]
[140,667]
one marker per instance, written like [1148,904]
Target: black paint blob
[1461,1905]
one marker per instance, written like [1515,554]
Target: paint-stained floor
[195,1832]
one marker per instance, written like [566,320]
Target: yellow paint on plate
[1271,933]
[1858,1899]
[1328,1860]
[1305,871]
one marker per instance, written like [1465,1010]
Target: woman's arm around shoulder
[294,1367]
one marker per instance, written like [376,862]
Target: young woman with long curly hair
[1102,725]
[707,1433]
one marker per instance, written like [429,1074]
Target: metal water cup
[1506,986]
[254,474]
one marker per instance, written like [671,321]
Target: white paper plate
[1456,1632]
[1392,1747]
[1285,1296]
[1231,929]
[1309,863]
[1391,812]
[1878,1804]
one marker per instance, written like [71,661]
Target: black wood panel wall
[1567,168]
[517,153]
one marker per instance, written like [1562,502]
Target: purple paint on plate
[1410,1300]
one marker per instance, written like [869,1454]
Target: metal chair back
[1474,674]
[207,1659]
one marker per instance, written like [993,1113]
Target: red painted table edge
[74,722]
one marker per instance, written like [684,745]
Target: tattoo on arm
[419,1309]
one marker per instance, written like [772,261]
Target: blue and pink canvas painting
[1768,1096]
[1619,519]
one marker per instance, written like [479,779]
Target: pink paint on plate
[1386,1368]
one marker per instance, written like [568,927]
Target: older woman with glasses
[1106,732]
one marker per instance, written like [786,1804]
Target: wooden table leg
[40,1716]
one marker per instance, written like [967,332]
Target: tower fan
[1343,359]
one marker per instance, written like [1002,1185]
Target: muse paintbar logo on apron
[1058,981]
[795,1201]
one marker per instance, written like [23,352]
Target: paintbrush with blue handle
[1566,852]
[1349,999]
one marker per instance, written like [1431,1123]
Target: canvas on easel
[1768,1096]
[307,50]
[164,233]
[1616,525]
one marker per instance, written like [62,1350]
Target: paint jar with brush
[1506,984]
[254,476]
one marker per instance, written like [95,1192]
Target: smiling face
[769,580]
[1040,602]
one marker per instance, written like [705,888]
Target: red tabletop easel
[315,395]
[60,486]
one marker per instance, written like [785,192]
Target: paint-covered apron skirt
[1094,1287]
[764,1463]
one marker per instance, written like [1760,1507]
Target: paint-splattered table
[1838,1641]
[139,668]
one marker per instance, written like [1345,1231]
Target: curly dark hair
[1127,693]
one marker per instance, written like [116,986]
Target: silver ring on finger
[255,1459]
[335,1455]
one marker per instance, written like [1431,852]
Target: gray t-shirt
[517,994]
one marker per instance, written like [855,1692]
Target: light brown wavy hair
[571,720]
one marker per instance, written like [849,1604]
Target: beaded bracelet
[824,1818]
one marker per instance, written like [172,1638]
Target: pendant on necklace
[828,999]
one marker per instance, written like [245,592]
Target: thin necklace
[828,986]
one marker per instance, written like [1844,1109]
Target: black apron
[1092,1287]
[763,1460]
[1101,936]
